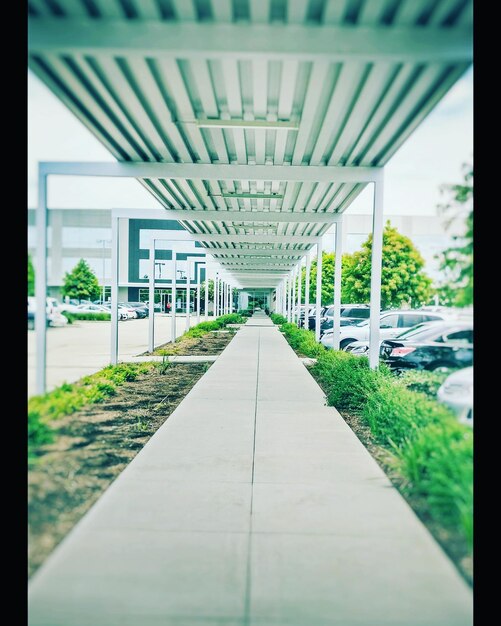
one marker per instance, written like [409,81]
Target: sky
[432,156]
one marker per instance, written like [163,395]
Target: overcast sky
[433,155]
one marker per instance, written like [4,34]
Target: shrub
[424,381]
[302,341]
[395,413]
[96,317]
[438,466]
[38,433]
[278,319]
[347,380]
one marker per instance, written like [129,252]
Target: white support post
[115,257]
[174,297]
[230,292]
[206,298]
[284,297]
[307,290]
[299,285]
[289,298]
[376,271]
[41,286]
[336,328]
[199,279]
[151,285]
[216,295]
[318,302]
[188,296]
[294,275]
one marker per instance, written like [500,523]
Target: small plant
[164,366]
[96,317]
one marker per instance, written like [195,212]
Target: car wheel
[345,342]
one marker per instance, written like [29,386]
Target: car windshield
[416,331]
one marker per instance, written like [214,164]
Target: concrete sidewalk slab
[254,504]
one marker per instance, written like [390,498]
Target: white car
[53,310]
[391,324]
[457,393]
[91,308]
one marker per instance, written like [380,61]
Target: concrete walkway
[253,504]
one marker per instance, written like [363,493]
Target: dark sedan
[448,345]
[140,308]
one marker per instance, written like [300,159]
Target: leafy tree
[457,261]
[31,277]
[403,279]
[81,282]
[328,261]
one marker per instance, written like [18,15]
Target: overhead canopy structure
[268,115]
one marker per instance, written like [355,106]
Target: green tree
[31,277]
[457,261]
[403,280]
[81,282]
[328,261]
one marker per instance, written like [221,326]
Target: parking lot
[83,347]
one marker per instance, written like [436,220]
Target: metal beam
[189,215]
[220,254]
[335,43]
[212,171]
[253,238]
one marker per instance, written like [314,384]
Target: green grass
[97,317]
[68,398]
[430,450]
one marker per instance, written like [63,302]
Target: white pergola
[254,123]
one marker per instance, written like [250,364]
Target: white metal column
[294,276]
[188,296]
[289,298]
[206,295]
[115,259]
[151,285]
[318,301]
[337,285]
[376,271]
[299,285]
[174,297]
[230,292]
[41,286]
[199,280]
[216,295]
[307,290]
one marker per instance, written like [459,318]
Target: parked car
[91,308]
[391,323]
[457,393]
[426,331]
[54,316]
[122,313]
[141,309]
[451,347]
[350,314]
[312,316]
[131,311]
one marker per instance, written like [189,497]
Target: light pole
[104,242]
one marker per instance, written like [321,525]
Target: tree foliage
[403,279]
[457,261]
[31,277]
[328,262]
[81,283]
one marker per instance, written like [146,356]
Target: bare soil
[211,343]
[92,447]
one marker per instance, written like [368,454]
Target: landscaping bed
[424,450]
[81,436]
[206,338]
